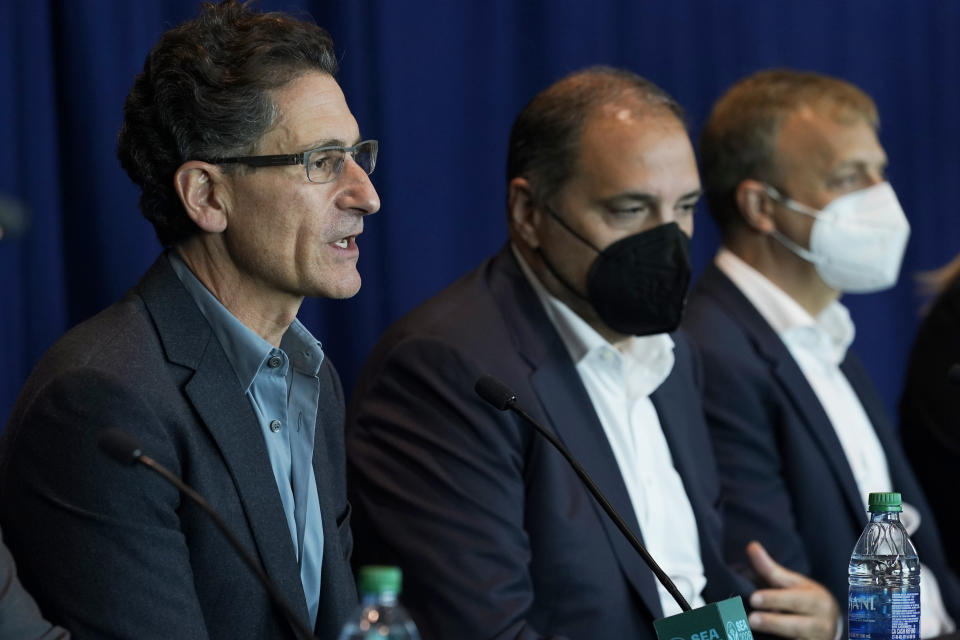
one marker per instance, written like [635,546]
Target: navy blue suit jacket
[786,479]
[496,535]
[114,551]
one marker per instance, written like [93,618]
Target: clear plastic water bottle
[379,616]
[884,576]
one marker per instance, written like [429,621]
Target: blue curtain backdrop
[439,83]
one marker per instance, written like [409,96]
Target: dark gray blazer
[110,551]
[496,535]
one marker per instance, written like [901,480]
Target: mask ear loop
[546,261]
[796,207]
[556,274]
[566,226]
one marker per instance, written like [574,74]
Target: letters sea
[710,634]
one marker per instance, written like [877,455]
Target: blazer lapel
[233,425]
[672,406]
[807,404]
[681,418]
[338,588]
[571,416]
[226,413]
[901,475]
[791,380]
[574,421]
[689,450]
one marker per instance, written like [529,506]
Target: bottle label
[878,613]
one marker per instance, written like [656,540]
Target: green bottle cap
[885,502]
[378,579]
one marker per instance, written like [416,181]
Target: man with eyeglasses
[255,177]
[795,178]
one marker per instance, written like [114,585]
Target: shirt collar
[245,349]
[651,354]
[829,335]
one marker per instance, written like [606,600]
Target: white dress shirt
[619,381]
[819,345]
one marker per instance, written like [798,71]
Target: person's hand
[795,606]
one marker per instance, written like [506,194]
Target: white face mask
[857,241]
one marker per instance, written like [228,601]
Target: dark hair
[739,139]
[545,138]
[205,92]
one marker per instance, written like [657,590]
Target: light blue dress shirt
[283,389]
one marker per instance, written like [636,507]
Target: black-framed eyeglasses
[323,164]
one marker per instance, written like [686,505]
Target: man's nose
[358,194]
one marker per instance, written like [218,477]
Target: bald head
[545,138]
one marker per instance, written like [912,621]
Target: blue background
[439,83]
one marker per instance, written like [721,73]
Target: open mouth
[347,243]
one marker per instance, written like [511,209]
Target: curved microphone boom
[503,398]
[123,448]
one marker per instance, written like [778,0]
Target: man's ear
[523,212]
[203,192]
[756,206]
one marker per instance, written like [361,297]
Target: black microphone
[501,397]
[123,448]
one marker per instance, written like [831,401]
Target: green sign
[725,620]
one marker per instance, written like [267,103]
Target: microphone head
[953,374]
[495,392]
[119,445]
